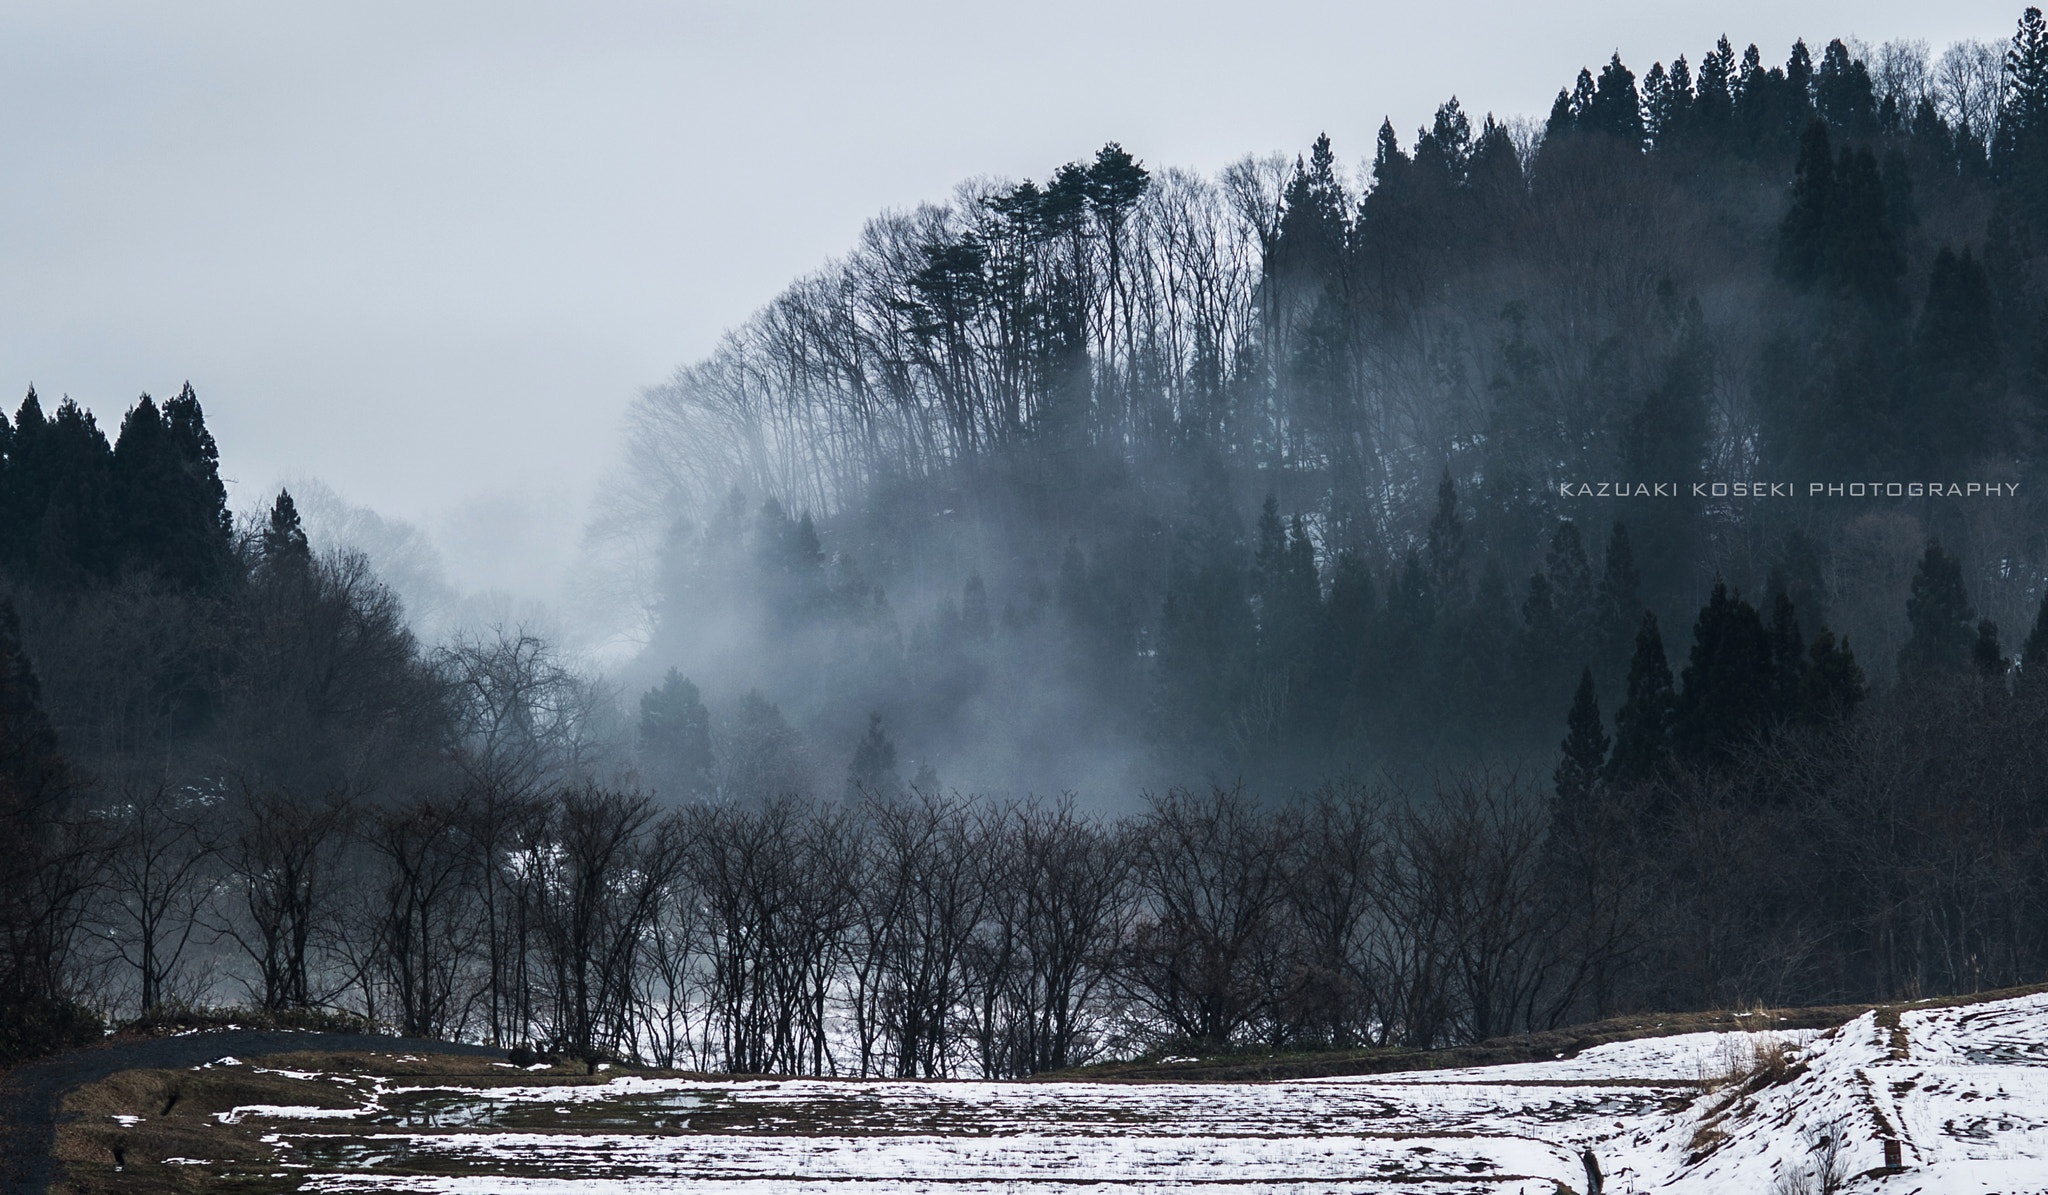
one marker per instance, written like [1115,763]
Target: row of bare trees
[920,934]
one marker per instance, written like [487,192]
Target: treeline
[186,669]
[1758,826]
[1803,856]
[1133,477]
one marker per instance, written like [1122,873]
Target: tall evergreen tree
[1951,408]
[285,549]
[1583,754]
[1642,726]
[1805,232]
[1941,617]
[1833,684]
[34,779]
[1446,544]
[1616,108]
[2019,142]
[1986,655]
[1842,93]
[873,769]
[1726,696]
[675,738]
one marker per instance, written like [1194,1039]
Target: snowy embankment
[1963,1092]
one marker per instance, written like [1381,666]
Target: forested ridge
[1245,512]
[1130,477]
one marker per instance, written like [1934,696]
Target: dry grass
[174,1113]
[176,1120]
[1748,1063]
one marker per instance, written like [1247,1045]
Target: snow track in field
[1964,1093]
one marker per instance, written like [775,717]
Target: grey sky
[428,252]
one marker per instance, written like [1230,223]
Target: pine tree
[1799,85]
[1951,408]
[1572,591]
[1714,98]
[1864,260]
[1842,93]
[1443,151]
[1389,163]
[1986,654]
[1616,108]
[675,738]
[1642,726]
[2019,155]
[34,779]
[1496,170]
[1446,545]
[27,493]
[1804,234]
[285,550]
[75,540]
[873,770]
[1833,685]
[31,770]
[975,623]
[1726,694]
[205,529]
[1583,754]
[1942,619]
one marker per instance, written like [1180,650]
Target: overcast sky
[427,253]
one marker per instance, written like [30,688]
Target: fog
[429,253]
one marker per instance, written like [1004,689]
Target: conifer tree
[74,542]
[975,622]
[1446,544]
[2019,142]
[1616,108]
[1842,93]
[1389,162]
[1863,257]
[34,779]
[1725,697]
[1543,635]
[27,490]
[1805,232]
[205,530]
[1583,754]
[285,550]
[873,769]
[1443,151]
[1941,617]
[1832,686]
[1799,84]
[1987,655]
[1351,617]
[1951,406]
[1714,98]
[1642,726]
[675,737]
[1572,592]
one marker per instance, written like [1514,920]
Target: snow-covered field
[1963,1091]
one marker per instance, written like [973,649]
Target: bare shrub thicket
[921,934]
